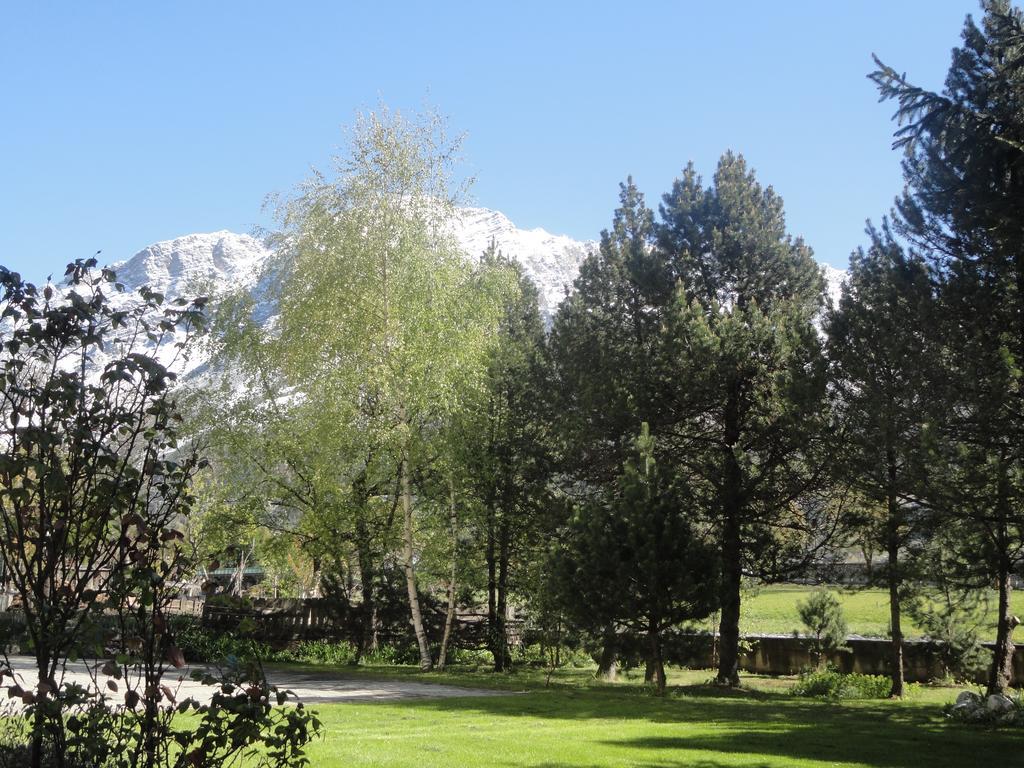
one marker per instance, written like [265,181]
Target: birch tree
[381,317]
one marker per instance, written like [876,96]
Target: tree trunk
[449,622]
[716,623]
[732,552]
[501,613]
[896,652]
[894,578]
[607,668]
[449,619]
[729,628]
[238,582]
[38,723]
[317,576]
[1001,673]
[1002,662]
[367,575]
[556,660]
[491,556]
[426,662]
[655,661]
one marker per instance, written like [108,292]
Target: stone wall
[787,655]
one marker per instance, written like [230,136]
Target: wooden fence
[283,621]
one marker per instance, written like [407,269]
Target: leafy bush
[474,657]
[242,722]
[12,631]
[98,476]
[832,684]
[382,656]
[538,655]
[200,645]
[320,652]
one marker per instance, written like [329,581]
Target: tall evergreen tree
[749,377]
[604,344]
[879,351]
[964,168]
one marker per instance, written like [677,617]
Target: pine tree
[822,615]
[604,346]
[880,353]
[749,376]
[964,168]
[638,560]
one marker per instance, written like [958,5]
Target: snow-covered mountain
[210,263]
[833,281]
[195,264]
[201,263]
[551,261]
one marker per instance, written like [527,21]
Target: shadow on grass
[775,727]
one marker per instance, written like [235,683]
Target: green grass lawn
[772,610]
[580,723]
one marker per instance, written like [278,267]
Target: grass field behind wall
[772,610]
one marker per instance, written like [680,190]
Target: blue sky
[122,124]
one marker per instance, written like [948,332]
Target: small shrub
[383,655]
[823,616]
[537,655]
[832,684]
[953,621]
[320,652]
[577,658]
[474,657]
[532,654]
[200,646]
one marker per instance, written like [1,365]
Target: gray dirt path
[309,687]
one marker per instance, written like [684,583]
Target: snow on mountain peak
[202,263]
[209,264]
[834,279]
[195,264]
[551,261]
